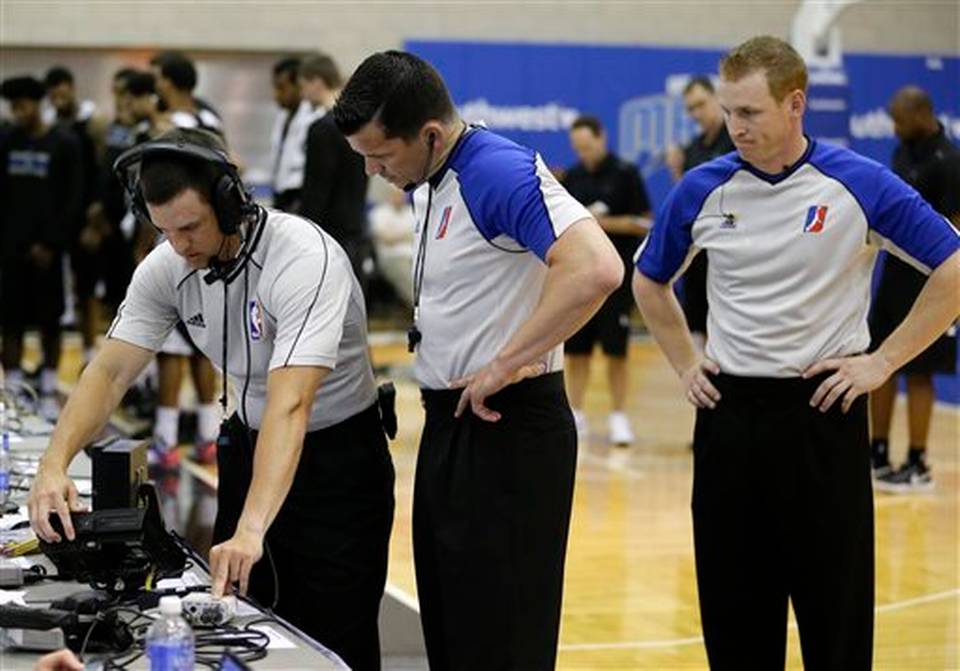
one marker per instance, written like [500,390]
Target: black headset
[229,199]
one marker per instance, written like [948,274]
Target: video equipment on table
[122,545]
[118,549]
[44,629]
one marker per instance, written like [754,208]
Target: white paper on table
[10,596]
[12,519]
[189,579]
[277,640]
[244,609]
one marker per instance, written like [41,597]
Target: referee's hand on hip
[853,376]
[488,381]
[697,386]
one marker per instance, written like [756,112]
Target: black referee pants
[783,509]
[330,539]
[491,513]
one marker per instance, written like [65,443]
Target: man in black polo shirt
[334,181]
[88,258]
[614,193]
[700,102]
[929,162]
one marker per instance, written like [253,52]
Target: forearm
[935,309]
[277,455]
[625,224]
[573,291]
[664,318]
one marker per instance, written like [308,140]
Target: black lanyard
[414,335]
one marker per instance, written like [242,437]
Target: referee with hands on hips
[782,504]
[304,471]
[507,265]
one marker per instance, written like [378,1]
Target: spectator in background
[88,232]
[614,193]
[288,138]
[117,243]
[40,188]
[176,78]
[120,136]
[391,226]
[334,181]
[700,101]
[930,163]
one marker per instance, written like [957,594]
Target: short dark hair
[401,91]
[141,84]
[699,80]
[321,66]
[176,67]
[590,122]
[22,88]
[124,75]
[165,176]
[56,76]
[288,66]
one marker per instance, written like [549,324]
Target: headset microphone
[218,269]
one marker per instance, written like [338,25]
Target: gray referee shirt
[295,302]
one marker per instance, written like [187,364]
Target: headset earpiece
[228,203]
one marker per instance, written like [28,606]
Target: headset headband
[136,155]
[229,199]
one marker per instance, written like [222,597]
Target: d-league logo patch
[816,218]
[256,320]
[444,222]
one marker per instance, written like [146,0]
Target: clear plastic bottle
[170,639]
[4,455]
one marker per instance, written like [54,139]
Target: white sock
[208,422]
[48,381]
[165,430]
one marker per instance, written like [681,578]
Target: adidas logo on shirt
[197,320]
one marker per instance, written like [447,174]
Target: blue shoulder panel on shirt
[499,183]
[669,241]
[892,207]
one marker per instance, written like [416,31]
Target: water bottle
[4,456]
[170,639]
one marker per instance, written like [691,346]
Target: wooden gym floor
[630,598]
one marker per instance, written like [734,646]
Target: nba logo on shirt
[816,216]
[444,222]
[256,320]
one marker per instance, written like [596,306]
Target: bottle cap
[170,605]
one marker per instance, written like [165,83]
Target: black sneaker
[880,467]
[909,478]
[880,459]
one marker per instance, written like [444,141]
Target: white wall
[350,30]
